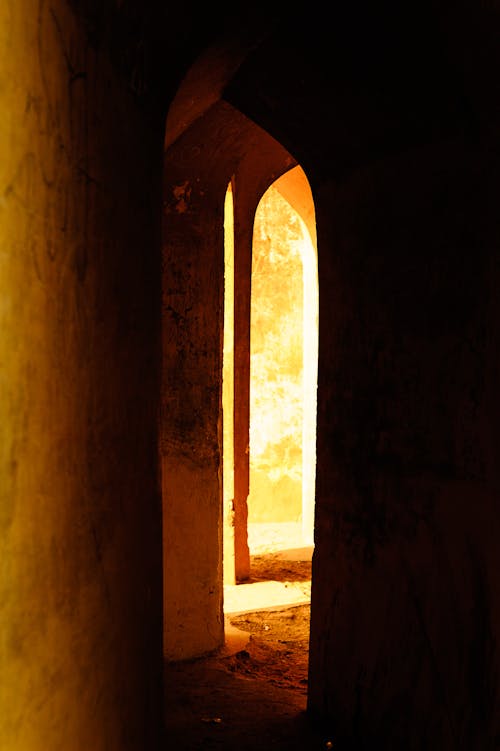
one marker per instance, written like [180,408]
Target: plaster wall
[405,603]
[191,441]
[80,524]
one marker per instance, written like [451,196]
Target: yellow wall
[284,340]
[78,493]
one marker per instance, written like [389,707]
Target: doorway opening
[283,362]
[274,603]
[210,143]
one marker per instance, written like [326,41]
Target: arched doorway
[282,435]
[283,369]
[222,145]
[283,357]
[208,144]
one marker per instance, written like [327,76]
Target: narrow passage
[252,695]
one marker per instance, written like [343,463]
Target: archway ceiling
[338,87]
[341,90]
[338,84]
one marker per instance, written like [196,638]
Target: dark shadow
[213,707]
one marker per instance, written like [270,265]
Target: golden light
[283,356]
[227,389]
[283,367]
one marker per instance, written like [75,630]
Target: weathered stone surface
[80,583]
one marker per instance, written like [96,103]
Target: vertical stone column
[254,175]
[228,393]
[243,229]
[191,424]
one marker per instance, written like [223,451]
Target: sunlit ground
[278,541]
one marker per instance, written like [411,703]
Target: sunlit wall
[228,390]
[284,336]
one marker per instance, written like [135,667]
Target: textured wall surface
[405,593]
[195,183]
[276,364]
[401,149]
[80,530]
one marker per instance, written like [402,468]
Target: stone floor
[220,702]
[280,541]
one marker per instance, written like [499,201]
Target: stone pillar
[191,425]
[243,231]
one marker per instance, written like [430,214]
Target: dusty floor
[252,695]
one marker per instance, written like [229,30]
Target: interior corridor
[123,124]
[252,693]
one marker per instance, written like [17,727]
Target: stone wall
[80,525]
[405,592]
